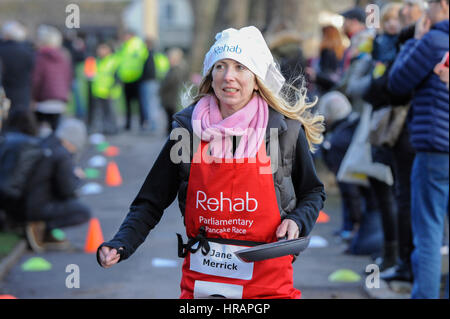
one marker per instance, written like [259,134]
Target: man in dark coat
[17,59]
[170,88]
[412,72]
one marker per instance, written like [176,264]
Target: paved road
[142,276]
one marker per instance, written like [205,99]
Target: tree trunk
[258,14]
[231,14]
[237,13]
[283,15]
[204,13]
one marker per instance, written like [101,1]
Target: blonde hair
[390,10]
[298,110]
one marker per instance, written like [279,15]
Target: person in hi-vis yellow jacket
[105,90]
[132,56]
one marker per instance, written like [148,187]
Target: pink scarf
[250,123]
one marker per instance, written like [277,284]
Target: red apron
[232,205]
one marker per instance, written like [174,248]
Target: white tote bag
[357,164]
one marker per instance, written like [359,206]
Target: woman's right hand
[108,256]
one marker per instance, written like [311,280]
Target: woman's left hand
[288,228]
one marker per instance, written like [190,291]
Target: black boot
[401,272]
[390,255]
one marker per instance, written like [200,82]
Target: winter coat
[132,56]
[52,75]
[385,49]
[337,141]
[328,71]
[170,88]
[300,194]
[17,59]
[412,71]
[53,179]
[149,72]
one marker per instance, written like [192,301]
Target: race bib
[221,261]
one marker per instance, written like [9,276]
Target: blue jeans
[429,204]
[79,107]
[149,96]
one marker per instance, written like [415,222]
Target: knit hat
[48,35]
[356,13]
[73,131]
[248,47]
[334,106]
[14,31]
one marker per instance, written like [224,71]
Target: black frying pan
[273,250]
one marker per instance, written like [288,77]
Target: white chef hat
[248,47]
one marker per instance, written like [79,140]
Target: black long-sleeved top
[300,194]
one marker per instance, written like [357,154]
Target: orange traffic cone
[323,218]
[113,177]
[94,236]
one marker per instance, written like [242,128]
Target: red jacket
[52,75]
